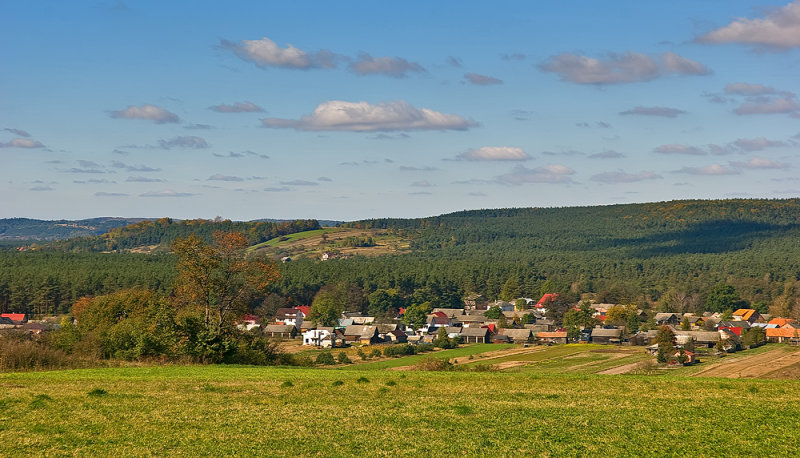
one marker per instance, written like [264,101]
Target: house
[439,321]
[248,322]
[517,335]
[286,331]
[500,338]
[37,328]
[689,357]
[290,316]
[749,315]
[781,322]
[15,318]
[606,336]
[316,337]
[667,318]
[644,338]
[502,305]
[453,331]
[545,300]
[328,255]
[475,335]
[537,327]
[475,300]
[397,336]
[780,335]
[707,339]
[286,259]
[552,337]
[736,327]
[449,312]
[366,335]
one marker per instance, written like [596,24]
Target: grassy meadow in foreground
[212,410]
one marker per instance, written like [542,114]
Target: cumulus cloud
[266,53]
[628,67]
[778,30]
[760,163]
[664,112]
[551,173]
[19,132]
[680,149]
[238,155]
[391,66]
[748,89]
[606,155]
[713,169]
[146,112]
[623,177]
[299,183]
[756,144]
[238,107]
[167,193]
[481,80]
[495,153]
[221,177]
[188,141]
[786,103]
[337,115]
[21,143]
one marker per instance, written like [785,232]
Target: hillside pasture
[311,244]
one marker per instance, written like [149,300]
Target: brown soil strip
[752,366]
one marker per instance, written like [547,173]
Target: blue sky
[350,110]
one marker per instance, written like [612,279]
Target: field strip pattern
[753,366]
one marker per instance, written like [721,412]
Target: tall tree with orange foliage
[220,278]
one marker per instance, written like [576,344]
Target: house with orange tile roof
[749,315]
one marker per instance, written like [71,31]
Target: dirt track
[753,366]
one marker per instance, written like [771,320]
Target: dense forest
[666,255]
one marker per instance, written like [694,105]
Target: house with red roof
[546,299]
[306,309]
[16,318]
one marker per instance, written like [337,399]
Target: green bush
[325,358]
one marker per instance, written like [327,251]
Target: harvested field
[756,366]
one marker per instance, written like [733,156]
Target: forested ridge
[669,254]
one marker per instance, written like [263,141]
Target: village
[528,322]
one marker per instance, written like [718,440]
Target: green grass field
[293,238]
[215,410]
[465,350]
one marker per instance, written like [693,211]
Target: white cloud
[680,149]
[238,107]
[266,53]
[623,177]
[481,80]
[221,177]
[495,153]
[713,169]
[422,184]
[274,189]
[146,112]
[167,193]
[654,111]
[779,30]
[749,89]
[760,163]
[628,67]
[299,183]
[133,168]
[337,115]
[144,180]
[21,143]
[110,194]
[785,103]
[756,144]
[390,66]
[198,126]
[41,188]
[184,142]
[606,155]
[551,173]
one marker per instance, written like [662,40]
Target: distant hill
[23,229]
